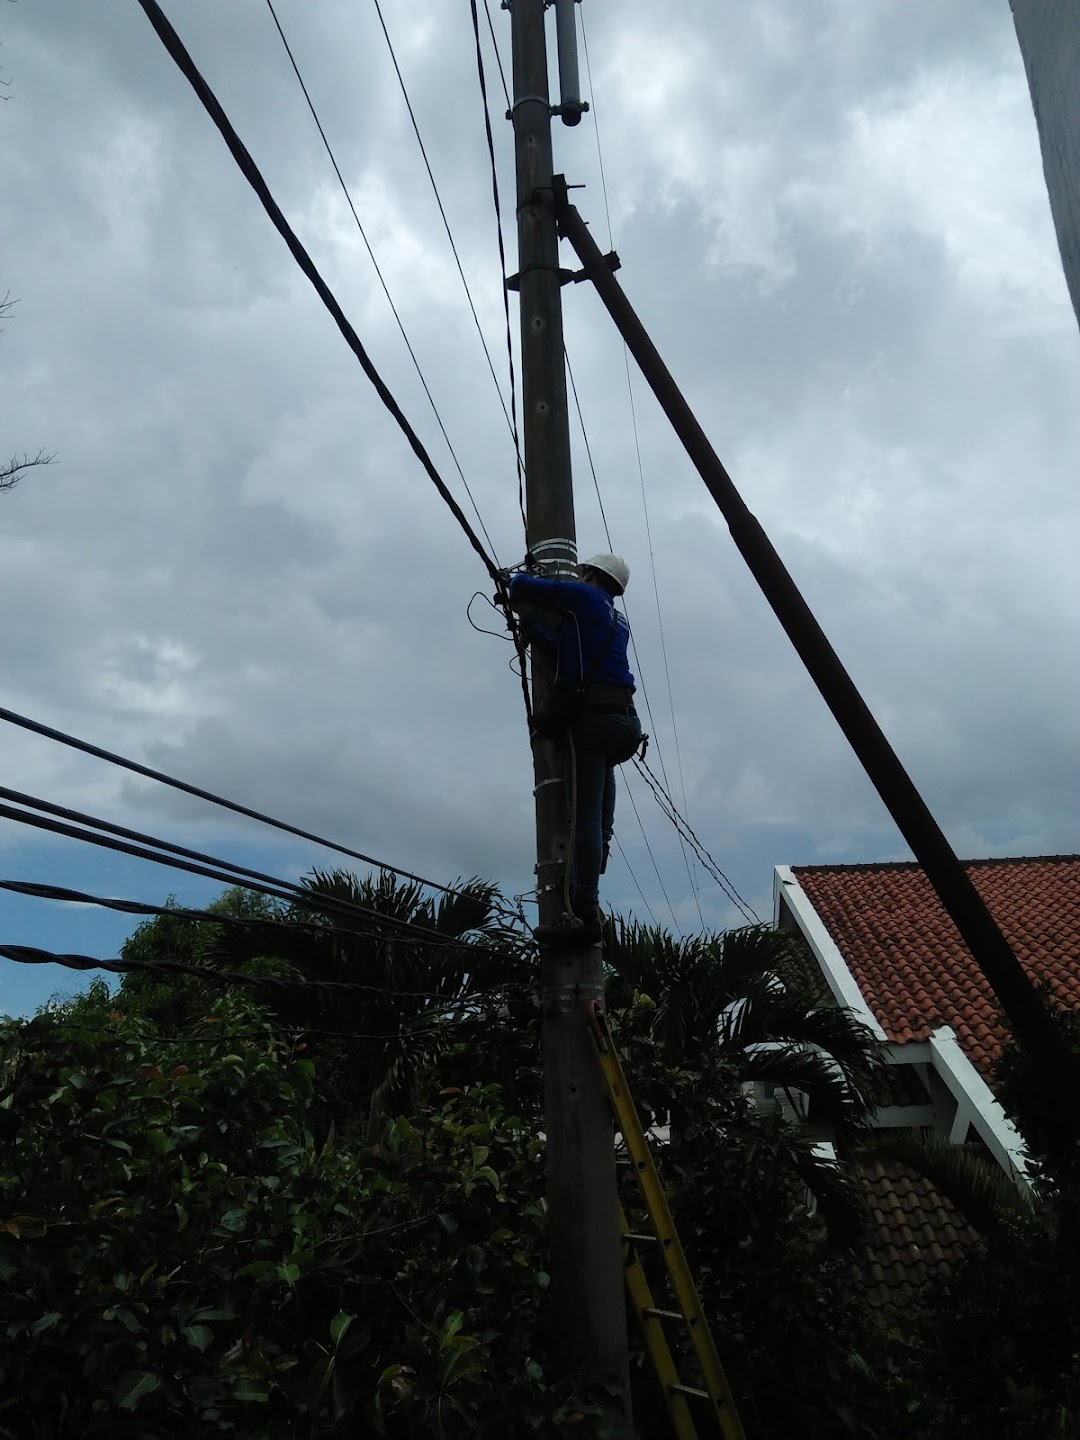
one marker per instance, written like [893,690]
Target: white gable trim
[976,1105]
[834,967]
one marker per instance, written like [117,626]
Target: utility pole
[587,1305]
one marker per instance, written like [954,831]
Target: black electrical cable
[382,281]
[251,173]
[498,57]
[446,222]
[633,641]
[63,895]
[596,131]
[36,728]
[659,622]
[670,810]
[633,877]
[502,261]
[641,474]
[224,871]
[32,955]
[86,1030]
[588,449]
[652,857]
[479,595]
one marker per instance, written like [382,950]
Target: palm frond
[978,1187]
[841,1199]
[832,1098]
[768,1016]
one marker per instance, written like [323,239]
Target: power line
[659,615]
[225,871]
[589,456]
[63,895]
[634,878]
[596,131]
[498,56]
[644,500]
[61,738]
[251,173]
[667,805]
[87,1030]
[378,272]
[32,955]
[633,641]
[446,225]
[466,1000]
[502,256]
[652,857]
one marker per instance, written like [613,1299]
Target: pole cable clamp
[530,100]
[513,282]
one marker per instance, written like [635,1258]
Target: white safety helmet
[613,566]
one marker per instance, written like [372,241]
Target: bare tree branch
[12,472]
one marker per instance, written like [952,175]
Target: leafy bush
[180,1258]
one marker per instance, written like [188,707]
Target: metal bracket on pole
[513,282]
[569,999]
[557,556]
[611,260]
[530,100]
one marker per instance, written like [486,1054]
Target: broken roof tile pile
[916,1233]
[909,961]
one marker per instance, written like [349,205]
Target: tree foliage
[181,1257]
[1015,1301]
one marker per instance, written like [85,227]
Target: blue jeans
[602,739]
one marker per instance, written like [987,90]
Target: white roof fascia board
[834,967]
[914,1052]
[961,1124]
[975,1098]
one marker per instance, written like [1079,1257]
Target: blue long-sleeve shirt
[584,647]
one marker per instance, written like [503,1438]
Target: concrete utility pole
[588,1308]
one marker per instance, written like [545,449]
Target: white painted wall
[1049,36]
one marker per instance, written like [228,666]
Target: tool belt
[609,697]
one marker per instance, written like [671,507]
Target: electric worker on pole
[590,713]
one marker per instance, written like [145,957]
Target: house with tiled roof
[887,949]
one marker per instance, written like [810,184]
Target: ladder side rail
[641,1297]
[652,1190]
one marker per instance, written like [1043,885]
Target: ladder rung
[690,1390]
[634,1155]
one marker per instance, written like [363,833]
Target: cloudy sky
[831,215]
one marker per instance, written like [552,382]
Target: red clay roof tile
[916,1233]
[909,961]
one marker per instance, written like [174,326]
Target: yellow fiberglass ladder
[713,1396]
